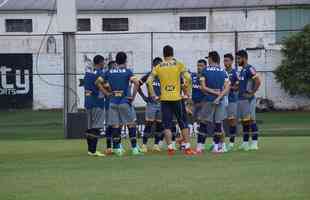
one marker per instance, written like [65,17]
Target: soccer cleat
[230,147]
[253,147]
[156,148]
[96,154]
[109,152]
[244,147]
[224,148]
[209,147]
[136,152]
[171,152]
[119,152]
[189,152]
[143,148]
[174,146]
[199,151]
[216,151]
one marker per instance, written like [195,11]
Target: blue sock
[132,135]
[216,139]
[146,133]
[201,139]
[157,139]
[254,130]
[232,132]
[246,135]
[116,135]
[174,133]
[108,135]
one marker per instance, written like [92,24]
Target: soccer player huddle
[213,96]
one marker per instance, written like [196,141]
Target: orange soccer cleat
[189,152]
[171,152]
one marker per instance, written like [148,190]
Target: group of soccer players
[213,95]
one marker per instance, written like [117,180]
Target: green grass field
[36,163]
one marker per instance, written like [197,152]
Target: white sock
[231,144]
[216,147]
[170,146]
[245,143]
[173,143]
[199,146]
[187,145]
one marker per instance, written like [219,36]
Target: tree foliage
[294,72]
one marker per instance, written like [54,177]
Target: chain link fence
[32,68]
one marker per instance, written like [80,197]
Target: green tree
[294,72]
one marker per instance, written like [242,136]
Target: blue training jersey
[246,82]
[119,81]
[197,94]
[214,77]
[91,90]
[233,78]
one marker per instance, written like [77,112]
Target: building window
[18,25]
[290,19]
[83,24]
[193,23]
[115,24]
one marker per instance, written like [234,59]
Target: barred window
[193,23]
[115,24]
[18,25]
[84,24]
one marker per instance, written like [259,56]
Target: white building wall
[48,92]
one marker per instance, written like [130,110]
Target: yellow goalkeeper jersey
[169,73]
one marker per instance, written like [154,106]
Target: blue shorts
[247,109]
[213,112]
[169,109]
[231,111]
[95,118]
[153,112]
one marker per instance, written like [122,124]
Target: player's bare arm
[136,86]
[205,89]
[224,92]
[149,84]
[103,87]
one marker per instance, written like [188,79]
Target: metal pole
[236,47]
[70,85]
[152,47]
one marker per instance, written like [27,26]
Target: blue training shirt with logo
[246,82]
[233,78]
[215,77]
[119,81]
[197,94]
[91,90]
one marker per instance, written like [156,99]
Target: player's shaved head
[168,51]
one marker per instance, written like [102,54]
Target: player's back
[215,77]
[119,80]
[169,75]
[90,89]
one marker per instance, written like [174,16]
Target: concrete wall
[48,92]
